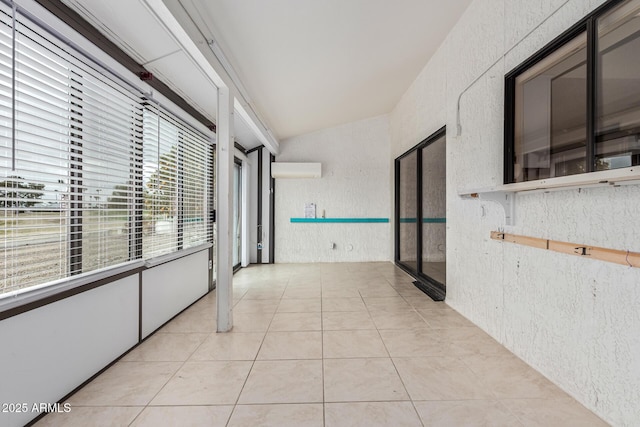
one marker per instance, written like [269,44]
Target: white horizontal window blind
[68,182]
[38,209]
[177,181]
[160,215]
[91,174]
[197,185]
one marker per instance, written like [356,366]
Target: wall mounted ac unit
[296,170]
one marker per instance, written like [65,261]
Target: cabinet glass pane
[551,115]
[618,97]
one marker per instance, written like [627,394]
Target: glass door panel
[434,225]
[408,177]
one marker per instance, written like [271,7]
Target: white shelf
[505,195]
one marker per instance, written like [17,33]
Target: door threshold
[432,291]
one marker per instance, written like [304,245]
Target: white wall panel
[169,288]
[48,352]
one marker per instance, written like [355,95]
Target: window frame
[42,293]
[587,24]
[437,289]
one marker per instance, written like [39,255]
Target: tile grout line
[253,362]
[171,377]
[396,368]
[324,406]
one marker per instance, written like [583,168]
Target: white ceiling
[131,26]
[311,64]
[305,64]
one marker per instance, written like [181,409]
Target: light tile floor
[322,345]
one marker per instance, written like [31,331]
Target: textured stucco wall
[575,320]
[355,183]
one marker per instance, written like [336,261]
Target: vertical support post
[224,184]
[259,207]
[267,201]
[419,214]
[212,218]
[245,205]
[272,214]
[396,223]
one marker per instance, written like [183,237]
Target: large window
[574,107]
[92,174]
[177,181]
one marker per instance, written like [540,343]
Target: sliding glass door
[420,238]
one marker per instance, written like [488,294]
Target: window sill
[69,285]
[162,259]
[505,194]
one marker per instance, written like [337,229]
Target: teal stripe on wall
[424,220]
[345,220]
